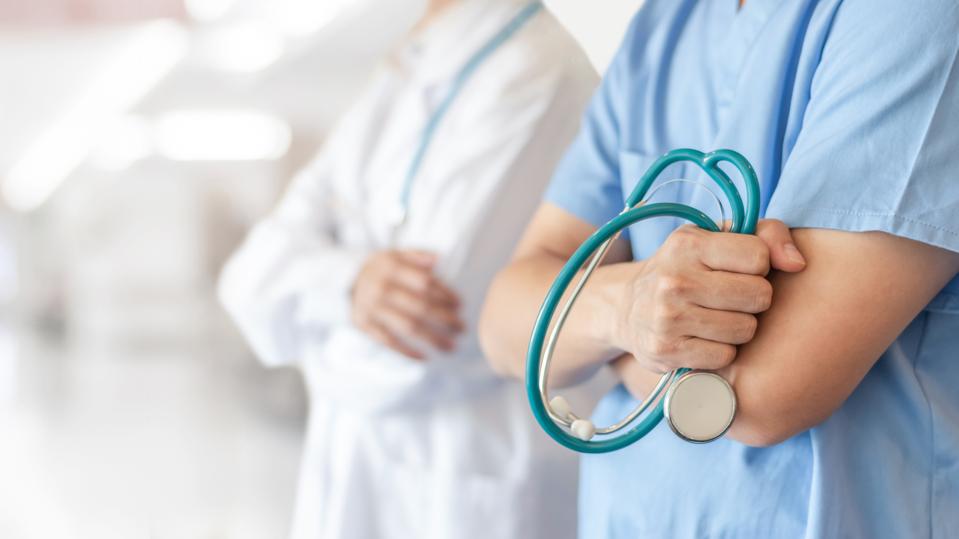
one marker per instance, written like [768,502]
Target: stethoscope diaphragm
[700,406]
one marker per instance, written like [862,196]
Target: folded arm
[825,327]
[290,273]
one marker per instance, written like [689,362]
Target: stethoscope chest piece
[700,406]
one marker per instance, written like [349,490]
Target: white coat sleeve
[479,185]
[288,259]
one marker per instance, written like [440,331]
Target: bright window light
[240,47]
[221,135]
[298,18]
[124,143]
[139,65]
[207,10]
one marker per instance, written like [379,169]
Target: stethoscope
[397,215]
[699,406]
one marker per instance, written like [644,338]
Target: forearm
[826,328]
[797,370]
[514,301]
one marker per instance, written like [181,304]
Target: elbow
[498,359]
[762,429]
[504,368]
[767,428]
[771,409]
[493,342]
[758,436]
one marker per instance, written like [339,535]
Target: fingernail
[793,254]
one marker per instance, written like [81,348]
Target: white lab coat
[397,448]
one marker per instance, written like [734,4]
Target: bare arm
[516,294]
[793,367]
[828,325]
[688,305]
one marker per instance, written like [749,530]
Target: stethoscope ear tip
[560,406]
[583,429]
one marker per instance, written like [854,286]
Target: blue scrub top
[849,110]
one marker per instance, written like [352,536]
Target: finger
[418,257]
[420,280]
[382,335]
[720,326]
[783,253]
[704,354]
[442,294]
[441,315]
[739,253]
[412,277]
[408,327]
[725,291]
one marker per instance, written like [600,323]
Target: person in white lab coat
[411,435]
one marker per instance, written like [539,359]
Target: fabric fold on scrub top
[848,111]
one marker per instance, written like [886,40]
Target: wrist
[610,322]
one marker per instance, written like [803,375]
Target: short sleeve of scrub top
[879,149]
[849,111]
[586,181]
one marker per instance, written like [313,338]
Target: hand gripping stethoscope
[699,406]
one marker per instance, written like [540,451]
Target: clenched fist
[697,297]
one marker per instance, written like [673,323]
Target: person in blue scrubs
[845,357]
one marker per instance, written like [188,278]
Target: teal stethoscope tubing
[517,22]
[743,221]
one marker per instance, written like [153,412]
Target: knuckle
[725,355]
[412,325]
[774,224]
[377,289]
[659,348]
[382,262]
[420,308]
[748,328]
[683,238]
[760,257]
[670,286]
[665,319]
[421,282]
[763,295]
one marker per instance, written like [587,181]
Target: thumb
[783,253]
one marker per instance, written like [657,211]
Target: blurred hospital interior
[138,142]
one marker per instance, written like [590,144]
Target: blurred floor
[107,440]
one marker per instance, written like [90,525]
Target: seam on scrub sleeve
[933,116]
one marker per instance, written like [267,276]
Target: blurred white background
[138,141]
